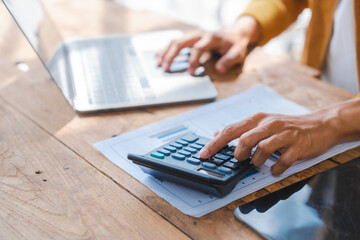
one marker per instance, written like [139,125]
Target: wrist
[245,29]
[342,120]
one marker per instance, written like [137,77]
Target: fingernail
[204,153]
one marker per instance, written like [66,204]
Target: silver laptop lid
[36,25]
[42,35]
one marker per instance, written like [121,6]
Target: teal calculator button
[171,149]
[182,142]
[193,161]
[209,165]
[157,155]
[176,145]
[202,142]
[178,156]
[190,138]
[224,170]
[186,154]
[194,146]
[165,152]
[190,150]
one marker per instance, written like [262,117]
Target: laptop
[112,72]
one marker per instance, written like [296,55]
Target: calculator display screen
[204,171]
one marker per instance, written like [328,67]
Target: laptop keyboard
[109,72]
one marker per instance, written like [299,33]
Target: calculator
[179,161]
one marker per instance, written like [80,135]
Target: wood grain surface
[48,191]
[94,198]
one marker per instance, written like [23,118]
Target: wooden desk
[55,184]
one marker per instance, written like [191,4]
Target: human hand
[233,43]
[296,137]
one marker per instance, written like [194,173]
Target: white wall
[213,14]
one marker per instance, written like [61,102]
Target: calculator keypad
[184,153]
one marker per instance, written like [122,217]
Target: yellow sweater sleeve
[274,16]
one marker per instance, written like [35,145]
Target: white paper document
[205,121]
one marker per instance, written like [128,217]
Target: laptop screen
[36,26]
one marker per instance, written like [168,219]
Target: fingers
[248,141]
[225,136]
[266,132]
[235,55]
[166,56]
[202,42]
[285,161]
[265,148]
[208,42]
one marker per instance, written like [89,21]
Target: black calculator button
[193,161]
[217,161]
[232,165]
[233,160]
[224,170]
[278,153]
[165,152]
[222,156]
[178,156]
[227,152]
[190,138]
[209,165]
[157,155]
[190,150]
[176,145]
[171,149]
[182,142]
[186,154]
[197,147]
[231,148]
